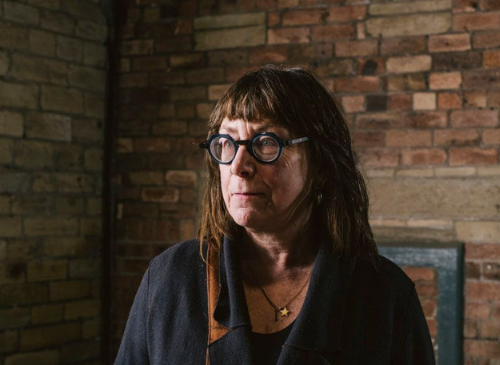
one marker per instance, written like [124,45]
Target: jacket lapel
[317,331]
[231,313]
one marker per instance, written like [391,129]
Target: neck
[294,248]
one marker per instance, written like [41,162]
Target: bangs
[257,96]
[249,104]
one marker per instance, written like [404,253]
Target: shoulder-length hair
[296,100]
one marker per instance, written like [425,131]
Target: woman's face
[266,197]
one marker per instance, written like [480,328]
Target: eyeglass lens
[265,148]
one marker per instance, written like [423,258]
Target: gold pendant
[284,312]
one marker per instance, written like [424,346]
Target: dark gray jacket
[352,314]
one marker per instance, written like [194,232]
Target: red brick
[399,102]
[407,138]
[486,39]
[309,2]
[139,210]
[472,270]
[160,195]
[187,8]
[449,43]
[137,47]
[481,79]
[174,44]
[460,6]
[495,313]
[353,104]
[376,102]
[152,145]
[324,33]
[482,348]
[474,118]
[445,80]
[357,84]
[368,139]
[205,76]
[489,330]
[426,289]
[473,156]
[403,46]
[356,48]
[426,120]
[409,64]
[371,66]
[432,324]
[185,111]
[304,17]
[346,13]
[273,19]
[493,99]
[181,178]
[413,81]
[490,5]
[379,157]
[288,35]
[475,310]
[491,271]
[491,136]
[379,121]
[491,59]
[429,306]
[134,80]
[476,21]
[450,100]
[451,137]
[266,55]
[482,251]
[420,273]
[266,4]
[425,156]
[476,99]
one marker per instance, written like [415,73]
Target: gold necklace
[283,311]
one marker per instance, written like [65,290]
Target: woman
[288,272]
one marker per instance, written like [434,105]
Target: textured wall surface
[52,81]
[420,81]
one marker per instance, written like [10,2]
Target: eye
[264,142]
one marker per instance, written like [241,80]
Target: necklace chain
[283,310]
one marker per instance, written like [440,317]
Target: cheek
[224,181]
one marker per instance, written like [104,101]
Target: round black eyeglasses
[264,147]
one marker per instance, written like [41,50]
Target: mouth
[247,194]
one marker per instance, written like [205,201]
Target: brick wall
[425,279]
[419,80]
[52,81]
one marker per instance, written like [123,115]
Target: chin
[249,221]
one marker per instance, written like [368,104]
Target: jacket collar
[317,329]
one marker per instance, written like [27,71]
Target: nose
[243,163]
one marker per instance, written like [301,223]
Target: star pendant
[284,312]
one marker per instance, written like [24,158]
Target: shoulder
[387,278]
[180,258]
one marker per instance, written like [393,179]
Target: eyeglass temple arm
[295,141]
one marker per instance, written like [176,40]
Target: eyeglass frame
[248,143]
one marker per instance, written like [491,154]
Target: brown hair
[294,98]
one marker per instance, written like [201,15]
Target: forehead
[238,125]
